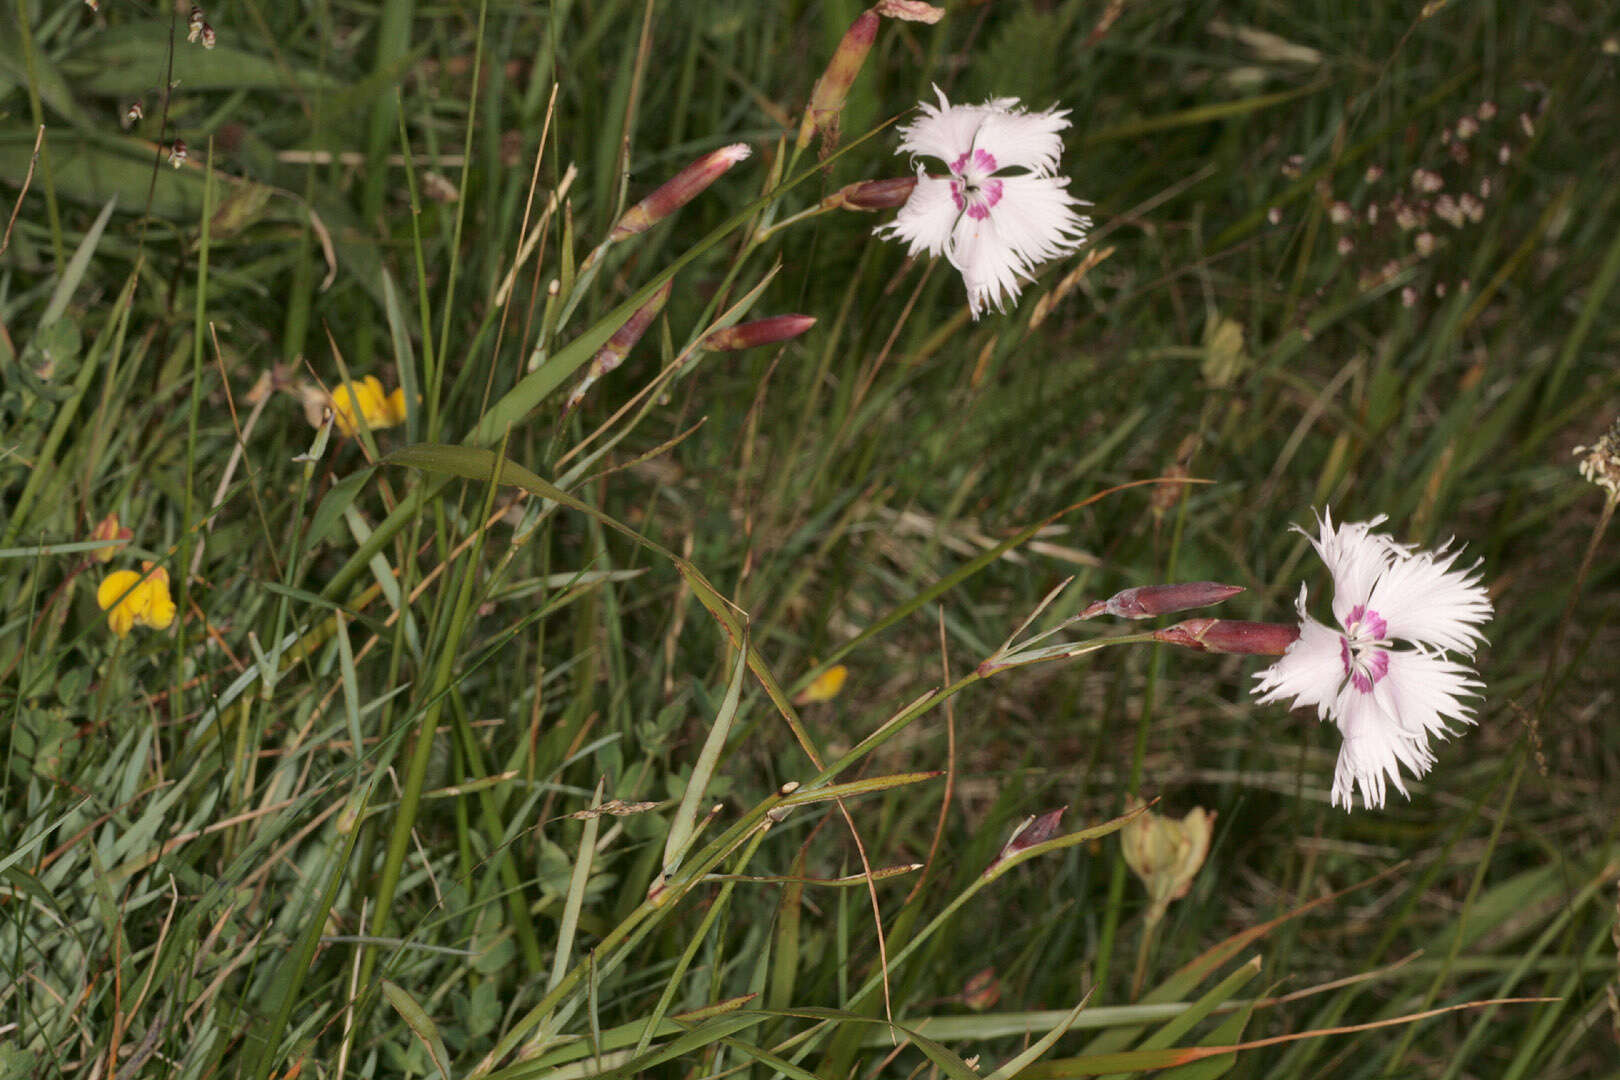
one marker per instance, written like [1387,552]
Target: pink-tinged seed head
[678,190]
[750,335]
[1230,636]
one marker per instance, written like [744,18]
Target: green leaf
[1228,1033]
[122,64]
[685,820]
[97,169]
[417,1019]
[1016,1065]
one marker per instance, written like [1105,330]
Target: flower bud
[108,528]
[982,990]
[1033,830]
[1230,636]
[612,354]
[1146,601]
[625,337]
[872,194]
[678,190]
[827,99]
[750,335]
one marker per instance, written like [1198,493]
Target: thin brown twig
[28,178]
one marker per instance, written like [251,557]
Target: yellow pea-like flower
[823,687]
[129,598]
[366,398]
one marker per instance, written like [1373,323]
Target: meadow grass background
[323,823]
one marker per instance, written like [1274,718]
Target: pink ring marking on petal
[1364,622]
[981,161]
[989,194]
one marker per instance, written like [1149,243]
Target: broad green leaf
[417,1019]
[100,169]
[121,64]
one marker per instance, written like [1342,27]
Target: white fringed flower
[993,226]
[1387,701]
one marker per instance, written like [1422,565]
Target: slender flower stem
[1564,622]
[803,215]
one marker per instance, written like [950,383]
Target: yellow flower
[823,687]
[129,597]
[366,398]
[109,529]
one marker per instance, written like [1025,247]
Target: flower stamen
[1362,648]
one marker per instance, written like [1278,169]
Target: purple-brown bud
[750,335]
[625,337]
[678,190]
[1034,830]
[1230,636]
[1146,601]
[827,99]
[872,194]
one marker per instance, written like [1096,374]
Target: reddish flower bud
[625,337]
[678,190]
[769,331]
[827,99]
[1230,636]
[1146,601]
[872,194]
[982,991]
[612,354]
[1034,830]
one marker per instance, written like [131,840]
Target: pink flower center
[974,188]
[1361,648]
